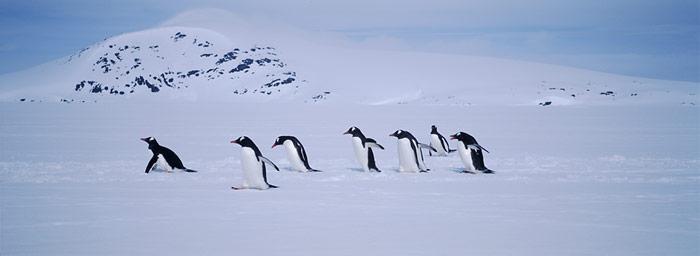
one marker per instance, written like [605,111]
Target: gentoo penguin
[471,153]
[295,152]
[254,171]
[410,152]
[171,159]
[363,149]
[439,143]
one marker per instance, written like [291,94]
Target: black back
[371,164]
[478,160]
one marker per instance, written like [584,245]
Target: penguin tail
[489,171]
[314,170]
[190,170]
[272,186]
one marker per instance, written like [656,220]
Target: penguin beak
[144,139]
[234,141]
[346,133]
[274,145]
[452,137]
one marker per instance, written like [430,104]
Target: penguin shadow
[356,169]
[160,170]
[290,169]
[397,170]
[462,171]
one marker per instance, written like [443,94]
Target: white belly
[163,165]
[293,157]
[407,159]
[466,156]
[360,152]
[252,170]
[435,143]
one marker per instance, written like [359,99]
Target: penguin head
[433,129]
[399,134]
[354,131]
[280,140]
[244,141]
[464,137]
[150,140]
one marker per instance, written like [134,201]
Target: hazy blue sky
[658,39]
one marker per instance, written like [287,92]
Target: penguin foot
[235,188]
[488,171]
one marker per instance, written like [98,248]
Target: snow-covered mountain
[214,55]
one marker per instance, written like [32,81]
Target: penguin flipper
[373,143]
[431,148]
[264,159]
[151,163]
[482,148]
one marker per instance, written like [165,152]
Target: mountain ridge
[215,55]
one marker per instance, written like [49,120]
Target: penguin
[439,143]
[363,149]
[410,152]
[254,171]
[171,159]
[471,153]
[295,152]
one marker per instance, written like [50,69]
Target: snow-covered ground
[574,180]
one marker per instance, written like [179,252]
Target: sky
[654,39]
